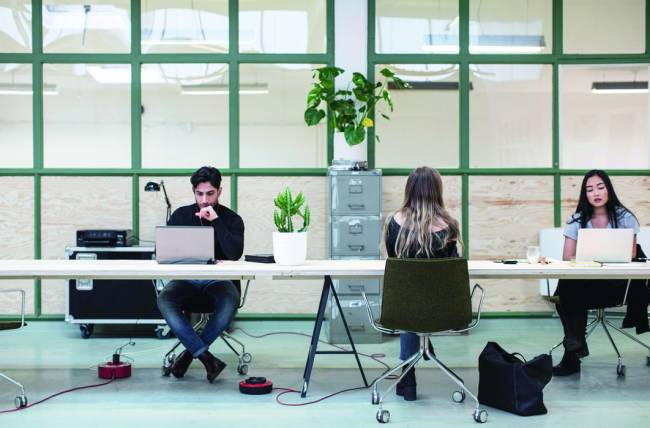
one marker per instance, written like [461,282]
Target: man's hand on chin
[207,213]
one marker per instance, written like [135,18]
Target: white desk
[327,269]
[147,269]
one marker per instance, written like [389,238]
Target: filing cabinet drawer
[356,236]
[355,194]
[356,316]
[352,286]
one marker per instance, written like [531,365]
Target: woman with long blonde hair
[421,228]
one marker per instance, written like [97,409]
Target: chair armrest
[478,311]
[372,318]
[22,302]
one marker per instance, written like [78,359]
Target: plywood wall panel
[71,203]
[255,200]
[505,216]
[17,237]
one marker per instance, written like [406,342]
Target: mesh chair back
[426,295]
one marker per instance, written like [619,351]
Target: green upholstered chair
[426,297]
[21,400]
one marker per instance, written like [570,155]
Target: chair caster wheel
[620,370]
[383,416]
[375,397]
[20,401]
[163,333]
[242,369]
[480,416]
[458,396]
[246,357]
[647,361]
[86,330]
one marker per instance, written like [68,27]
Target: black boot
[407,386]
[213,365]
[181,364]
[578,346]
[570,364]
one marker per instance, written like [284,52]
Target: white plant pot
[350,153]
[290,248]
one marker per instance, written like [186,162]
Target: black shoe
[213,365]
[407,386]
[577,346]
[570,364]
[181,364]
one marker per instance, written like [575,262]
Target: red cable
[77,388]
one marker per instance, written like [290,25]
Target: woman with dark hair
[598,207]
[421,228]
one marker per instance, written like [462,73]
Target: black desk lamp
[152,186]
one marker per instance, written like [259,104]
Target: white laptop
[185,244]
[605,245]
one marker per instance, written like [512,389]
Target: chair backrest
[426,295]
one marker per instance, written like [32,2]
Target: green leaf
[377,138]
[313,116]
[385,116]
[387,72]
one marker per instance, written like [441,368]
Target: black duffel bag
[509,382]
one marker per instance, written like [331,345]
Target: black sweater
[449,250]
[228,229]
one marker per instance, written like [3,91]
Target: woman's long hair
[613,206]
[422,210]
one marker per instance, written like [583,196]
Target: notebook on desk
[605,245]
[185,244]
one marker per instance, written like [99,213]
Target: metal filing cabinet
[109,301]
[355,233]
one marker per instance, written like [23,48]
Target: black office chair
[636,287]
[203,313]
[427,297]
[20,400]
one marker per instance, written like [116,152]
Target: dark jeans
[219,298]
[577,296]
[409,344]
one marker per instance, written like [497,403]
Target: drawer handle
[357,247]
[357,288]
[355,188]
[357,206]
[355,229]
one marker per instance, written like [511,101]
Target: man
[221,298]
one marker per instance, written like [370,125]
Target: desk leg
[327,287]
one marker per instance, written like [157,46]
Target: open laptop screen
[185,244]
[605,245]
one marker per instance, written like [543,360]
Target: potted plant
[349,109]
[290,245]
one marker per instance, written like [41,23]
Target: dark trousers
[577,296]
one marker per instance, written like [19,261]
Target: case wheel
[620,370]
[86,330]
[20,401]
[383,416]
[480,416]
[458,396]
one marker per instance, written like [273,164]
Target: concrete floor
[50,356]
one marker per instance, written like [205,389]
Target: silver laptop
[605,245]
[185,244]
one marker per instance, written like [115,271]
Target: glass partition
[185,116]
[511,116]
[179,26]
[423,128]
[87,26]
[16,115]
[15,26]
[285,26]
[88,123]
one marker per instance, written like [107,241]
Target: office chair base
[602,320]
[383,416]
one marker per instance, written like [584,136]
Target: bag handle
[521,357]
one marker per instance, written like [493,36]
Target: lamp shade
[152,186]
